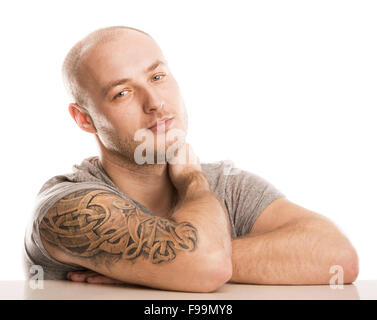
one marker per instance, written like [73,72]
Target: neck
[147,184]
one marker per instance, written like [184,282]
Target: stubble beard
[124,149]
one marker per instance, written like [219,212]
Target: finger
[103,280]
[182,153]
[81,276]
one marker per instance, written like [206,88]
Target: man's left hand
[91,277]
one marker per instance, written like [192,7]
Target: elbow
[216,280]
[348,261]
[351,267]
[214,273]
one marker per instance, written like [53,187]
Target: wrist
[193,183]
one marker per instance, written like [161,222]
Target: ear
[82,119]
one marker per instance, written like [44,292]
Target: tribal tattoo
[95,222]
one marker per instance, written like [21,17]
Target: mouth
[162,124]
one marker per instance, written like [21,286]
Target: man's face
[130,87]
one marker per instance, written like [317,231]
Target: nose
[152,102]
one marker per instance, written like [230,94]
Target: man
[170,223]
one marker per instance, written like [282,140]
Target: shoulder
[85,176]
[221,175]
[223,171]
[225,175]
[216,169]
[214,172]
[85,172]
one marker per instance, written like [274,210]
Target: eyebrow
[118,82]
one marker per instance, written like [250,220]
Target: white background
[284,89]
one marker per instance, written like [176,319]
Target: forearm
[199,206]
[297,254]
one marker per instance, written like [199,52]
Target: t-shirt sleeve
[51,192]
[249,194]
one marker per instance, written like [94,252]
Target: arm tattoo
[92,222]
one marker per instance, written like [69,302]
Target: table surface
[67,290]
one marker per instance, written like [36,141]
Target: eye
[121,94]
[158,77]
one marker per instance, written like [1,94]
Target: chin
[165,150]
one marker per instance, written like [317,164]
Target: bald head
[72,66]
[122,86]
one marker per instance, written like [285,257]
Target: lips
[162,122]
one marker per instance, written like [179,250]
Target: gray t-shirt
[243,193]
